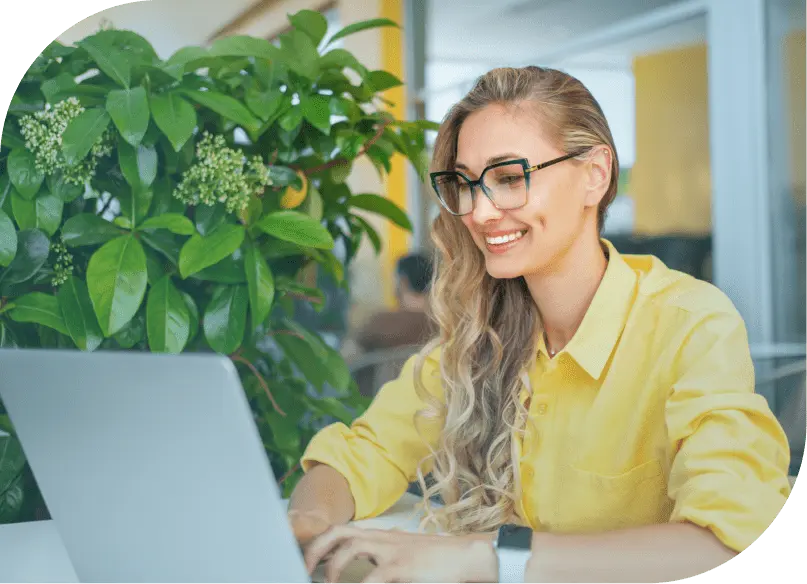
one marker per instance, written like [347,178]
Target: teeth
[505,238]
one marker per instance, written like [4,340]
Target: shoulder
[669,291]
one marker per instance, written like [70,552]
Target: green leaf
[129,109]
[200,252]
[300,54]
[302,354]
[167,318]
[137,49]
[79,317]
[164,242]
[298,228]
[66,191]
[260,284]
[363,25]
[372,234]
[342,59]
[193,314]
[82,132]
[133,332]
[381,206]
[177,64]
[88,229]
[138,164]
[12,494]
[225,318]
[283,176]
[58,88]
[311,23]
[39,308]
[11,137]
[117,278]
[316,109]
[226,106]
[173,222]
[264,104]
[8,239]
[6,188]
[175,117]
[209,217]
[24,175]
[135,204]
[164,199]
[44,212]
[109,60]
[291,119]
[243,46]
[382,80]
[33,248]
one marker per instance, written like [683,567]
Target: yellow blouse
[647,416]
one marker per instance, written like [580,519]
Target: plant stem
[290,472]
[362,152]
[261,380]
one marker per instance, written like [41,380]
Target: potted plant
[182,204]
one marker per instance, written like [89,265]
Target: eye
[510,180]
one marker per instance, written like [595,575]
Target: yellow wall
[670,180]
[795,65]
[392,59]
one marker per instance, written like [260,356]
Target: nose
[484,210]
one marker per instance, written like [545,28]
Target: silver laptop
[151,466]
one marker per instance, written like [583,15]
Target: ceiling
[168,24]
[515,31]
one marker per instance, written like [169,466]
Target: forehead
[496,130]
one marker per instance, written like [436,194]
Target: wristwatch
[513,551]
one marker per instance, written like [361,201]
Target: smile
[506,238]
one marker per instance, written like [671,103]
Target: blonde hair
[488,328]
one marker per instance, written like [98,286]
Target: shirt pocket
[588,502]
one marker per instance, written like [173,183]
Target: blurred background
[706,101]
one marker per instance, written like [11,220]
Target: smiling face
[561,202]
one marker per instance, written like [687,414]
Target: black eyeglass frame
[480,181]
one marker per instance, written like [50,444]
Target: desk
[33,552]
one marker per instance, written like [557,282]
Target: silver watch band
[512,564]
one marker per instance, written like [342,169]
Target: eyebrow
[493,160]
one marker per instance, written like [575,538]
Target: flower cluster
[222,174]
[63,267]
[43,133]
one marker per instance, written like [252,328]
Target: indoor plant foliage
[180,205]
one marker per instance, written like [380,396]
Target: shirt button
[541,409]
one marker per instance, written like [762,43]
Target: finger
[326,543]
[347,553]
[306,528]
[385,573]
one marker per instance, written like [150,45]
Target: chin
[504,268]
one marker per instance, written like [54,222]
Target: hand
[404,557]
[306,525]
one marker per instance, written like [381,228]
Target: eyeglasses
[505,184]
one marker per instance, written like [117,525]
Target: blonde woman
[601,405]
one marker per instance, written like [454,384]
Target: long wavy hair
[488,328]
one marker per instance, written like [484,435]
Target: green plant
[182,204]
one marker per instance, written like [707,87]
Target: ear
[598,178]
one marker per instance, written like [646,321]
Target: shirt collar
[595,339]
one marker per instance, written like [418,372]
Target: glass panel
[786,174]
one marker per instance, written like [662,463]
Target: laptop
[151,466]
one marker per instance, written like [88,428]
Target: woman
[604,401]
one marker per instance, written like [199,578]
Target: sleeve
[729,473]
[380,452]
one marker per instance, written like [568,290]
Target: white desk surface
[33,552]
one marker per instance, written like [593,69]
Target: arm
[323,490]
[360,471]
[728,479]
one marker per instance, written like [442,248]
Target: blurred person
[409,324]
[600,406]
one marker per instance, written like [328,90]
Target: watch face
[515,536]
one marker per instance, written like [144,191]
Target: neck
[564,292]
